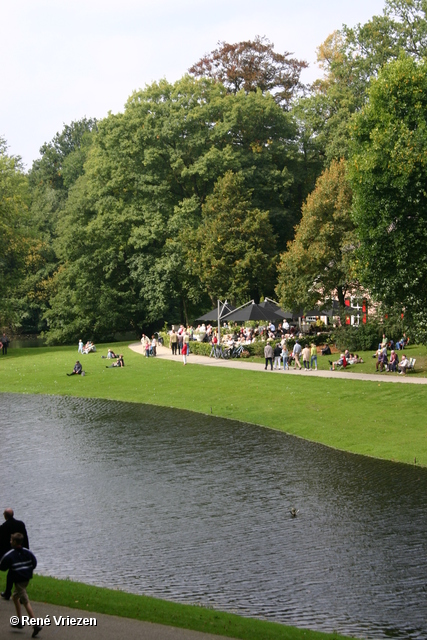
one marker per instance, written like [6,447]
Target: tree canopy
[317,262]
[147,176]
[389,177]
[233,250]
[14,233]
[251,65]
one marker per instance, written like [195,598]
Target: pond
[195,509]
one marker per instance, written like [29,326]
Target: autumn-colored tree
[317,263]
[252,65]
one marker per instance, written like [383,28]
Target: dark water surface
[195,509]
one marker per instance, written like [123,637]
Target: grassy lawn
[96,599]
[381,420]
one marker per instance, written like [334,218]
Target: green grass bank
[99,600]
[377,419]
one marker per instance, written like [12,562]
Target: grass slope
[370,418]
[111,602]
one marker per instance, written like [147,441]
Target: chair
[411,366]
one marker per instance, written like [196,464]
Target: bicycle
[217,352]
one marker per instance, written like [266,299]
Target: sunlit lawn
[368,366]
[371,418]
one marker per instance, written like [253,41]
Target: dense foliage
[201,188]
[389,176]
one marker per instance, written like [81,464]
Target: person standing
[153,350]
[268,355]
[20,562]
[313,359]
[296,352]
[186,340]
[9,527]
[180,342]
[277,356]
[184,352]
[306,358]
[285,356]
[4,344]
[80,349]
[174,342]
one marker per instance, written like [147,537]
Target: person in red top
[341,362]
[184,352]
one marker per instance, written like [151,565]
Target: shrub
[365,337]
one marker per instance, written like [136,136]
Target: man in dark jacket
[8,528]
[21,563]
[77,371]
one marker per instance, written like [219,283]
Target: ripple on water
[195,509]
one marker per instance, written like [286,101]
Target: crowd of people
[276,351]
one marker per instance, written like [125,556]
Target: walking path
[107,627]
[165,354]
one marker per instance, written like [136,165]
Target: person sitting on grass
[354,359]
[120,363]
[77,371]
[341,362]
[110,355]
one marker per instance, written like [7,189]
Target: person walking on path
[285,356]
[20,562]
[306,358]
[277,356]
[186,340]
[174,342]
[268,355]
[296,352]
[184,352]
[9,527]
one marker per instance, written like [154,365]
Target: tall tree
[389,177]
[317,264]
[351,58]
[51,176]
[252,65]
[145,180]
[233,250]
[14,233]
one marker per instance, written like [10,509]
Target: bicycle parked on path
[217,352]
[234,352]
